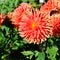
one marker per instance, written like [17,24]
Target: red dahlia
[56,3]
[34,28]
[56,26]
[19,12]
[48,7]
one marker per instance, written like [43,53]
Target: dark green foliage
[8,5]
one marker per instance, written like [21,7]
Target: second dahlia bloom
[51,11]
[19,12]
[55,22]
[56,27]
[34,28]
[48,7]
[56,3]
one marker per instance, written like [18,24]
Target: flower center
[33,25]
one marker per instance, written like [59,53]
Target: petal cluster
[19,12]
[31,24]
[34,28]
[51,11]
[48,7]
[56,27]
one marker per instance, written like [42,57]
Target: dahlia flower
[56,27]
[34,28]
[56,3]
[55,23]
[51,11]
[18,13]
[2,17]
[48,7]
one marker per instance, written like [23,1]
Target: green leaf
[15,45]
[24,0]
[36,53]
[41,56]
[32,1]
[52,51]
[1,36]
[28,53]
[4,56]
[6,29]
[15,37]
[51,41]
